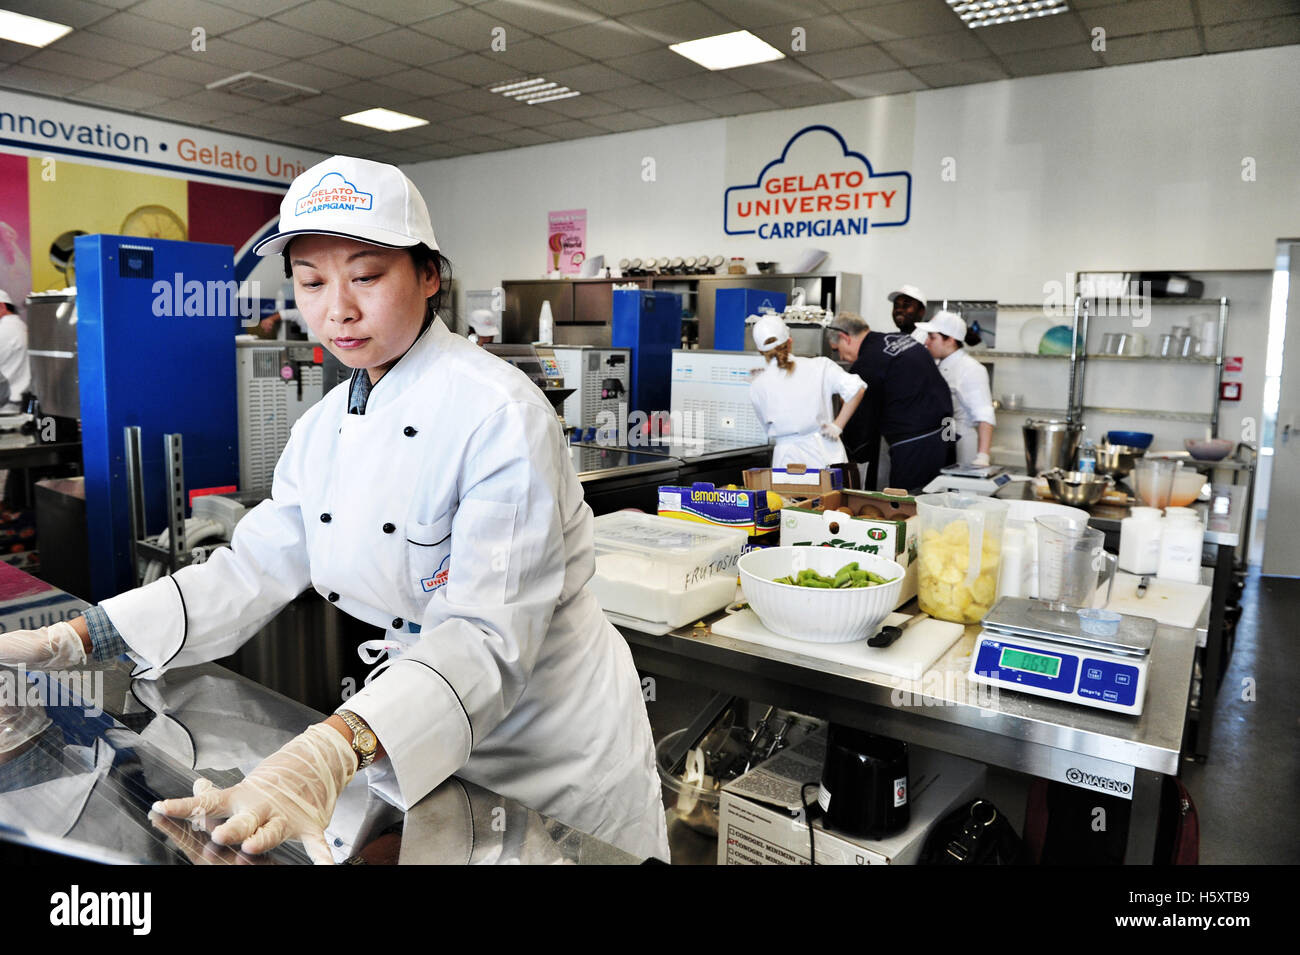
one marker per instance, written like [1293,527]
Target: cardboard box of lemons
[774,501]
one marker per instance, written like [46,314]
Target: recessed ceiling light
[986,13]
[386,119]
[728,50]
[536,90]
[30,30]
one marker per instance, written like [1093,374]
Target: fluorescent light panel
[536,90]
[987,13]
[727,51]
[30,30]
[386,119]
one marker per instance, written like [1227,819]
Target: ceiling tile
[707,86]
[1142,17]
[366,93]
[527,137]
[956,74]
[640,96]
[655,66]
[540,18]
[820,34]
[83,67]
[419,82]
[133,29]
[412,48]
[280,39]
[478,124]
[843,5]
[528,116]
[617,8]
[189,14]
[186,66]
[188,113]
[1152,46]
[592,78]
[105,48]
[1249,34]
[751,14]
[39,81]
[908,18]
[354,62]
[1057,59]
[623,122]
[223,52]
[438,151]
[214,101]
[13,52]
[679,22]
[1045,32]
[540,57]
[288,116]
[164,86]
[739,104]
[481,144]
[72,13]
[477,101]
[308,74]
[261,8]
[469,30]
[476,69]
[942,48]
[340,23]
[581,107]
[854,61]
[403,11]
[574,129]
[807,94]
[105,94]
[881,84]
[435,108]
[1225,11]
[604,40]
[766,76]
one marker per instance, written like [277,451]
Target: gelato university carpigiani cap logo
[335,194]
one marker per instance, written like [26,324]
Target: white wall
[1133,167]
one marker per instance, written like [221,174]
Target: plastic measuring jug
[959,554]
[1072,563]
[1153,480]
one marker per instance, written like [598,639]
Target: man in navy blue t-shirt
[907,403]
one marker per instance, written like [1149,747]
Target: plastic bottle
[1139,541]
[1088,458]
[1180,549]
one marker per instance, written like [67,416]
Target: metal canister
[1050,443]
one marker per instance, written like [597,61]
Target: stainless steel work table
[945,711]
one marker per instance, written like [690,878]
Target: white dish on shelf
[1032,332]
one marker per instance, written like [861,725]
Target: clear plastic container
[663,570]
[1180,550]
[959,554]
[1139,541]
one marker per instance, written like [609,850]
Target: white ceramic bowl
[810,613]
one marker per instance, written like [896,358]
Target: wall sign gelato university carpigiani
[817,187]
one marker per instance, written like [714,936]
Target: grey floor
[1246,792]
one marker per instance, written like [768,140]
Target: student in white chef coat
[792,398]
[484,328]
[15,368]
[972,402]
[431,496]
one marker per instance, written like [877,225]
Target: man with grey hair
[907,403]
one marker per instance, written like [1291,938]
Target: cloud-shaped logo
[333,192]
[817,187]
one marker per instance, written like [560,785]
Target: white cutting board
[908,657]
[1167,601]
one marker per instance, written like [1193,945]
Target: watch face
[366,741]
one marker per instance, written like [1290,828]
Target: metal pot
[1077,488]
[1117,460]
[1050,443]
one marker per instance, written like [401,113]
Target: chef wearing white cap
[15,370]
[431,496]
[484,328]
[972,401]
[792,398]
[909,307]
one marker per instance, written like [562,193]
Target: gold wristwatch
[364,742]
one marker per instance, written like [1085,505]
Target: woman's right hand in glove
[54,647]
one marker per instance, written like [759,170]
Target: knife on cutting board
[888,635]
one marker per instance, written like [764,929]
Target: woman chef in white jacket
[431,496]
[968,380]
[793,400]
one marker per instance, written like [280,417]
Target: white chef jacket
[972,401]
[15,370]
[515,680]
[793,407]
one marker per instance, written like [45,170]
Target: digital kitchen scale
[1027,646]
[968,479]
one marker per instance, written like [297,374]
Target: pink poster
[566,241]
[15,236]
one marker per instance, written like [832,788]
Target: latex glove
[831,431]
[980,460]
[19,725]
[49,648]
[290,795]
